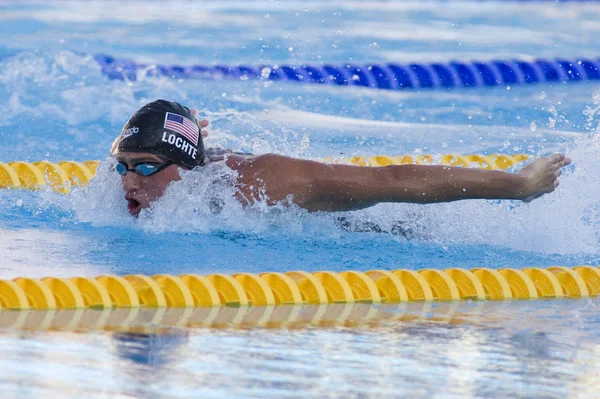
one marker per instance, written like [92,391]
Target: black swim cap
[163,128]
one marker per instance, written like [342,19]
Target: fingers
[202,123]
[559,160]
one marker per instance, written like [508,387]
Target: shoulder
[258,162]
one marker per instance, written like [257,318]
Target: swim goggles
[143,169]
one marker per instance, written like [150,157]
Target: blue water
[56,104]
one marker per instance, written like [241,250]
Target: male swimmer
[163,137]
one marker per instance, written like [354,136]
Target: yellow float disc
[92,166]
[469,286]
[8,177]
[65,293]
[404,160]
[337,289]
[79,174]
[121,293]
[390,287]
[591,276]
[12,296]
[380,160]
[358,161]
[39,296]
[521,285]
[258,291]
[415,284]
[454,160]
[310,287]
[204,293]
[571,282]
[231,292]
[442,286]
[491,161]
[520,157]
[477,159]
[56,177]
[29,175]
[362,286]
[178,295]
[494,283]
[502,162]
[423,160]
[148,292]
[481,160]
[285,291]
[94,294]
[545,282]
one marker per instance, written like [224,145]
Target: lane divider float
[64,175]
[298,288]
[392,76]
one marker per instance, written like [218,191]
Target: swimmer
[163,137]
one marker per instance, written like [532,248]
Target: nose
[131,181]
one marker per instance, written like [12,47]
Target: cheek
[155,186]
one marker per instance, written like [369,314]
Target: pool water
[56,104]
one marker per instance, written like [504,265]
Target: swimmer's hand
[202,123]
[541,176]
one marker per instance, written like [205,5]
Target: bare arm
[322,187]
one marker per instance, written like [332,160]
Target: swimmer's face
[141,191]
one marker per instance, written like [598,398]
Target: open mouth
[133,206]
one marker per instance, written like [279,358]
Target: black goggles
[143,169]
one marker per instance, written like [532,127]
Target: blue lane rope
[455,74]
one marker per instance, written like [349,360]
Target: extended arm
[323,187]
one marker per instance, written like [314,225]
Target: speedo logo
[129,132]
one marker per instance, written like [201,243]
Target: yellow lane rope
[298,288]
[62,176]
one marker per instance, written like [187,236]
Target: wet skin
[141,191]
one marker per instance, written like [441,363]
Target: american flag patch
[183,126]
